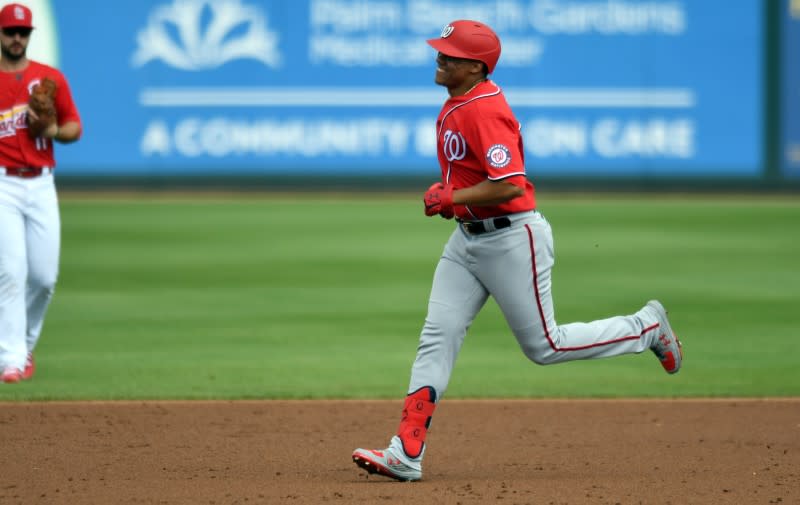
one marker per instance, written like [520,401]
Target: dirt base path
[298,452]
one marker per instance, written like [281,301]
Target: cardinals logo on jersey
[13,119]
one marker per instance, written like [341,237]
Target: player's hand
[42,110]
[40,128]
[50,131]
[439,200]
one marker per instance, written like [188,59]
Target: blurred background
[329,93]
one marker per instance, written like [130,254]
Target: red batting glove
[432,199]
[447,211]
[439,200]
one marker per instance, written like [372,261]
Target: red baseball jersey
[479,138]
[17,148]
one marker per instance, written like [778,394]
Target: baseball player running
[29,218]
[502,246]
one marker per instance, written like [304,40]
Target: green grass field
[274,296]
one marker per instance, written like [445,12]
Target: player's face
[456,73]
[14,42]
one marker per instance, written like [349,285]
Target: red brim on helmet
[446,47]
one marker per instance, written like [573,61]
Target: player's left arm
[499,146]
[68,127]
[66,133]
[487,192]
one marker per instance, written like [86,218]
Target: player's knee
[12,280]
[538,351]
[43,283]
[538,356]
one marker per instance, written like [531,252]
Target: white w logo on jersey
[454,146]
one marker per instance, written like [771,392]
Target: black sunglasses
[17,30]
[453,60]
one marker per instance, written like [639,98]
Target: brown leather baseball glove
[43,107]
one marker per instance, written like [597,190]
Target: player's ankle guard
[416,420]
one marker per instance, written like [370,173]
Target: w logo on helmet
[446,31]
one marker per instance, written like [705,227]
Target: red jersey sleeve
[497,142]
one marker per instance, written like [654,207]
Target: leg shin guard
[416,420]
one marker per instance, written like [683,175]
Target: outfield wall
[603,89]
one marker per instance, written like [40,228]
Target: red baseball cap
[469,39]
[15,15]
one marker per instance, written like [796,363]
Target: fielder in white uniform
[30,226]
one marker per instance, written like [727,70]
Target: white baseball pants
[30,241]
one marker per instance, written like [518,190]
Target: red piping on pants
[541,311]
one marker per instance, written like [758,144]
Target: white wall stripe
[671,98]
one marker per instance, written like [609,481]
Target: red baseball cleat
[385,462]
[11,375]
[666,347]
[30,367]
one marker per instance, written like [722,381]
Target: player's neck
[466,87]
[7,65]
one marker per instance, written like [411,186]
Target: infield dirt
[676,452]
